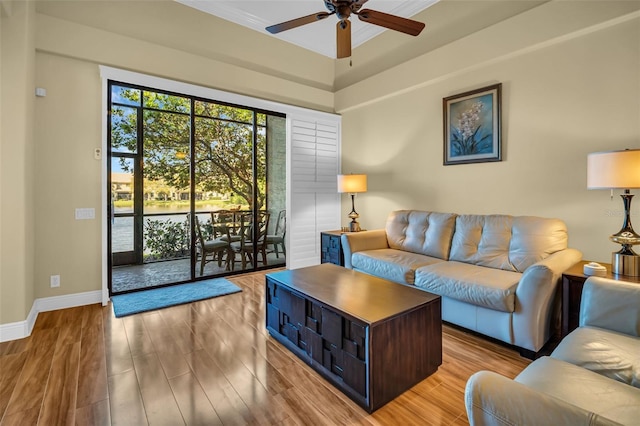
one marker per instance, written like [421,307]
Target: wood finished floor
[207,363]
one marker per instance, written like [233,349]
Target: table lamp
[352,184]
[619,170]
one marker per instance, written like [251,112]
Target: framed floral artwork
[472,126]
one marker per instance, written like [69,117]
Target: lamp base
[354,226]
[625,264]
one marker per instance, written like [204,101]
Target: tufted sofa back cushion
[506,242]
[421,232]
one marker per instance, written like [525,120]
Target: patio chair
[216,247]
[244,246]
[225,225]
[277,239]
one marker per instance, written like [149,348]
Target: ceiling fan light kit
[343,9]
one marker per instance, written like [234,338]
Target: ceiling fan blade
[343,38]
[392,22]
[294,23]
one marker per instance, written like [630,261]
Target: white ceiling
[319,36]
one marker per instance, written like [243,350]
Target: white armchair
[591,378]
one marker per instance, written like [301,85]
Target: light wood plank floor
[211,363]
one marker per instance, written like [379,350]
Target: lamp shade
[352,183]
[614,169]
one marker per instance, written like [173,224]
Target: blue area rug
[158,298]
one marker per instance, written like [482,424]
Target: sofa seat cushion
[583,388]
[611,354]
[391,264]
[477,285]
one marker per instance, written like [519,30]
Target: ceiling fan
[345,8]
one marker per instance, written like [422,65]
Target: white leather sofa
[497,275]
[591,378]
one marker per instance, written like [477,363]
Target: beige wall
[17,261]
[223,56]
[68,129]
[567,94]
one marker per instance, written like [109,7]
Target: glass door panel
[166,188]
[122,245]
[223,185]
[123,235]
[124,129]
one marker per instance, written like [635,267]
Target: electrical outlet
[54,281]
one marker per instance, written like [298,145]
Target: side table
[331,248]
[572,282]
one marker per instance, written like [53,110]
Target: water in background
[122,227]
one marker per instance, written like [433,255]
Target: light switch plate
[85,213]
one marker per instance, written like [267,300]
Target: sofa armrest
[536,301]
[610,304]
[492,399]
[360,241]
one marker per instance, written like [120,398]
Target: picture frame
[472,126]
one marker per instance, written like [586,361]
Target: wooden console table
[372,338]
[572,282]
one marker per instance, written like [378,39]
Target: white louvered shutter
[314,203]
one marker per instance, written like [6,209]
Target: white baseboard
[22,329]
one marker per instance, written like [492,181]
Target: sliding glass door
[197,188]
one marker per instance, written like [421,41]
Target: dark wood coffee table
[372,338]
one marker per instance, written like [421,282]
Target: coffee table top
[365,297]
